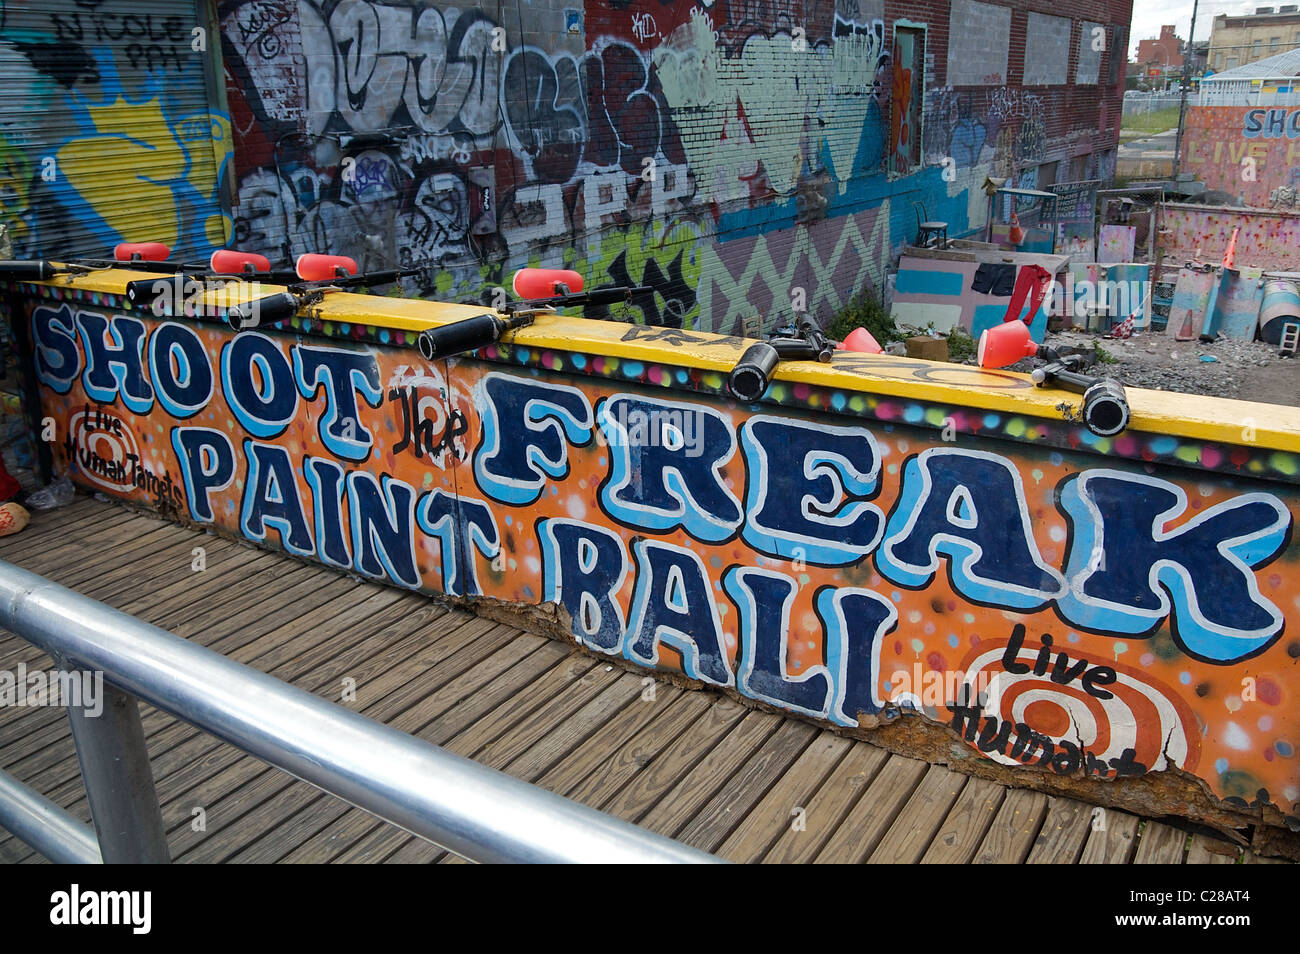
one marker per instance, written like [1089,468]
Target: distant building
[1162,53]
[1200,57]
[1240,40]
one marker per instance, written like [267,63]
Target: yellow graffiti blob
[128,165]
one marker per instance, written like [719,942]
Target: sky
[1150,15]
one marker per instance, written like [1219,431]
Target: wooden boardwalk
[747,785]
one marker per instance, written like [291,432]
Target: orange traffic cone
[1230,255]
[1017,234]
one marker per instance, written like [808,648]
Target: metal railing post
[47,827]
[119,781]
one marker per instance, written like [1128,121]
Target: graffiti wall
[1251,155]
[787,148]
[1268,239]
[880,542]
[109,128]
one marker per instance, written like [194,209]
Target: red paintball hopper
[1005,344]
[322,268]
[141,252]
[862,340]
[530,283]
[229,261]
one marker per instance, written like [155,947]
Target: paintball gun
[1105,405]
[319,275]
[752,374]
[542,291]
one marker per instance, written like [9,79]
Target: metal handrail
[470,809]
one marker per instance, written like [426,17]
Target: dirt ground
[1244,370]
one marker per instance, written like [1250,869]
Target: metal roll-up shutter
[111,128]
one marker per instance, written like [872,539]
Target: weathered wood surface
[748,785]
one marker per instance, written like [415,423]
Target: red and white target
[104,453]
[1141,714]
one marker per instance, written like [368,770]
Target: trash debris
[1208,358]
[58,494]
[13,517]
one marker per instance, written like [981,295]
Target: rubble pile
[1220,368]
[1156,361]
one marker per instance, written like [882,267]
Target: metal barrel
[1281,304]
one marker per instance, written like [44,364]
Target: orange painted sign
[1074,607]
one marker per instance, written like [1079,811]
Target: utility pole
[1182,95]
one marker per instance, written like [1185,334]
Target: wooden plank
[585,740]
[708,827]
[1160,844]
[527,705]
[380,845]
[507,745]
[827,808]
[1014,828]
[785,807]
[52,751]
[267,797]
[603,747]
[875,810]
[1212,851]
[1065,831]
[53,748]
[574,730]
[313,818]
[356,824]
[230,755]
[163,733]
[671,722]
[961,832]
[668,810]
[914,829]
[1111,840]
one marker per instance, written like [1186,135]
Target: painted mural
[1268,238]
[1085,607]
[107,130]
[628,141]
[1251,154]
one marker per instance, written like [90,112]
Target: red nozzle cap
[540,282]
[141,252]
[1005,344]
[229,261]
[320,268]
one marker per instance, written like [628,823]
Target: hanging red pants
[1031,284]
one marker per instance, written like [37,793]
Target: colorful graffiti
[1267,238]
[471,141]
[107,133]
[1247,156]
[1093,618]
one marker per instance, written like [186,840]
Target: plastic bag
[58,494]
